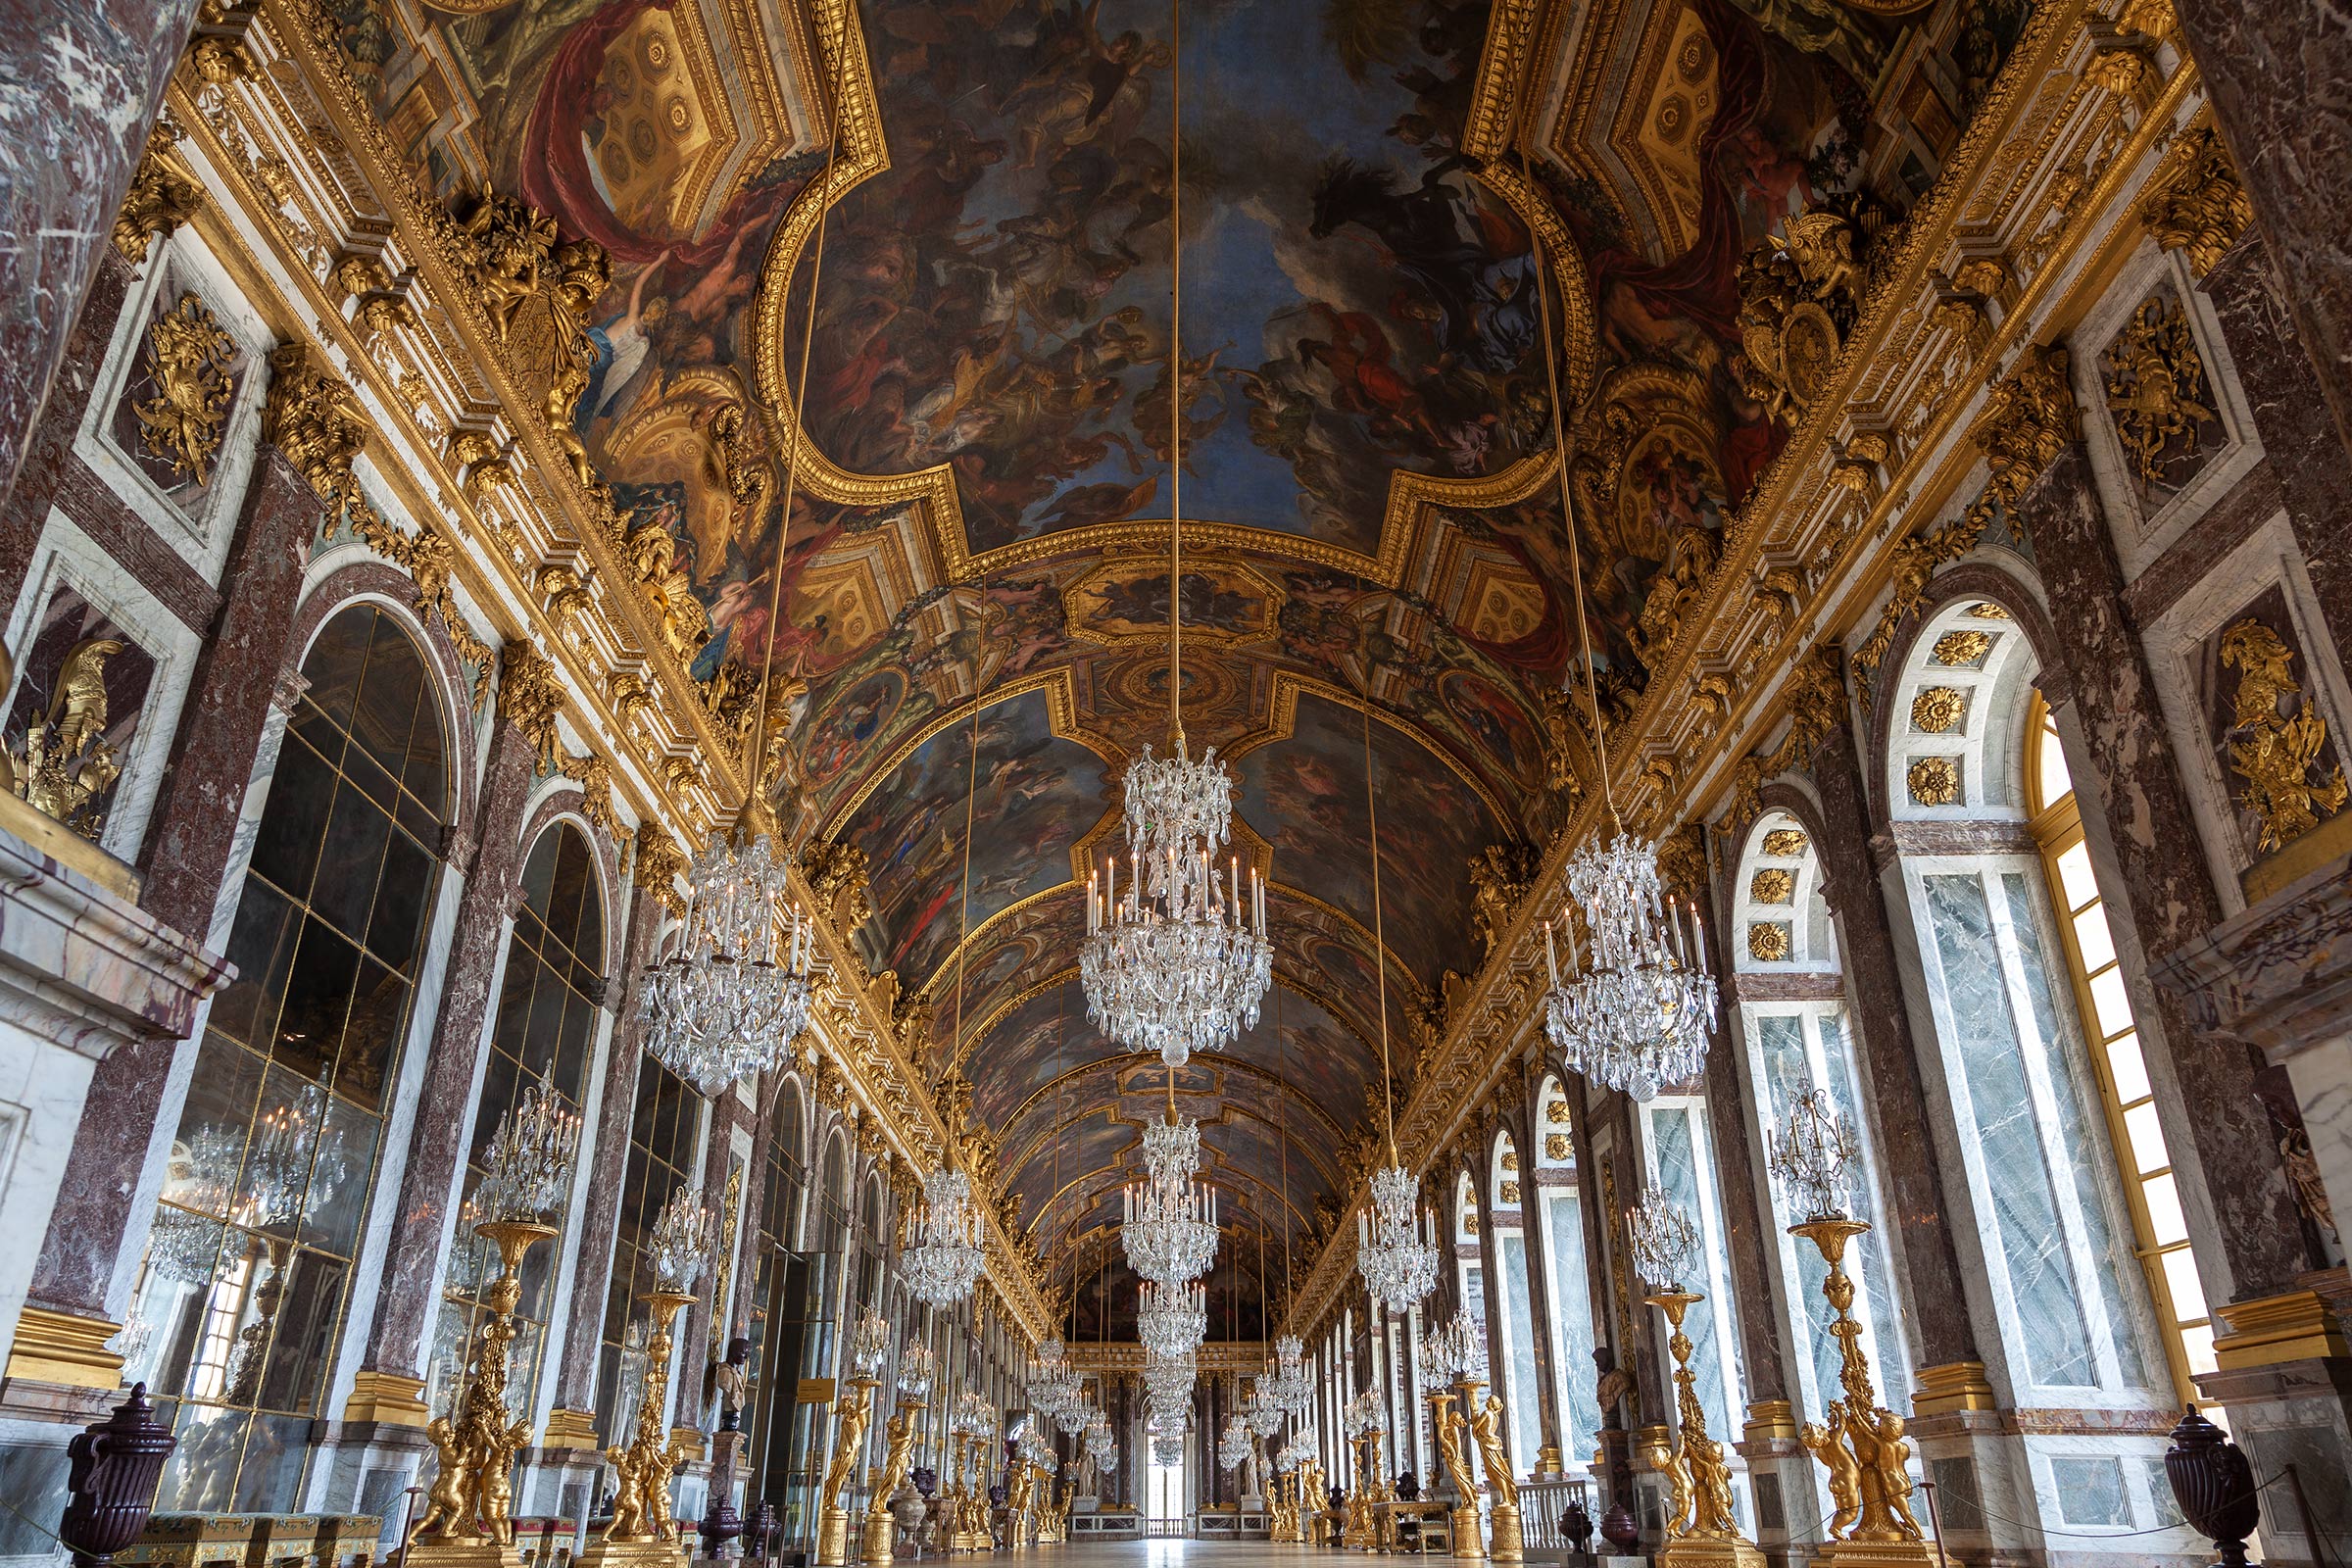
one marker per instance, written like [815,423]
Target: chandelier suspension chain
[1175,370]
[1380,940]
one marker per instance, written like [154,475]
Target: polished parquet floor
[1165,1553]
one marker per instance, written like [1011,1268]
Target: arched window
[248,1270]
[544,1033]
[2056,1237]
[1792,1017]
[1680,1151]
[1561,1235]
[1514,1371]
[2105,1007]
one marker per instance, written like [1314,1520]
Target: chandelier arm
[1576,572]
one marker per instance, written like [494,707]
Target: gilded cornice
[2036,200]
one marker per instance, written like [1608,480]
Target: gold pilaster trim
[388,1400]
[1770,1421]
[62,1348]
[2294,1326]
[570,1429]
[1953,1385]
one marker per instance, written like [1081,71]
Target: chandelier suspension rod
[754,766]
[1576,572]
[1175,370]
[1380,942]
[963,911]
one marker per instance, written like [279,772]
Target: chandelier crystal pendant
[1046,1388]
[1293,1388]
[1636,1019]
[1813,1152]
[1171,1320]
[1263,1415]
[1232,1445]
[949,1244]
[736,992]
[1169,1225]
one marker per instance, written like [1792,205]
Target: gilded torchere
[1701,1529]
[869,1343]
[642,1532]
[1861,1442]
[1469,1541]
[1508,1542]
[916,1370]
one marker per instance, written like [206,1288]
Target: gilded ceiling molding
[1219,1059]
[2041,170]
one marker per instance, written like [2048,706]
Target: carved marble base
[1468,1539]
[880,1537]
[1508,1544]
[833,1538]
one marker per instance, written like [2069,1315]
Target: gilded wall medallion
[1785,841]
[1933,780]
[1963,650]
[1774,884]
[1938,708]
[1768,940]
[1555,1145]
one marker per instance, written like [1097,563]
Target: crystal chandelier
[1637,1017]
[1663,1241]
[1047,1389]
[1812,1152]
[1171,1319]
[1362,1415]
[1262,1414]
[918,1370]
[289,1165]
[1168,1379]
[1455,1353]
[1233,1446]
[1169,1222]
[1395,1246]
[1167,1448]
[734,995]
[1177,960]
[870,1344]
[1098,1444]
[948,1250]
[1296,1450]
[529,1163]
[1291,1385]
[683,1234]
[1075,1416]
[1179,963]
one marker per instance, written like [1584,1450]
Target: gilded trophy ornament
[2276,740]
[2153,375]
[66,766]
[188,359]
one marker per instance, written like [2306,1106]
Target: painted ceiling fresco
[978,506]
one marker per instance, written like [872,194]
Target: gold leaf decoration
[2151,372]
[1767,942]
[1510,1193]
[1936,709]
[2275,751]
[1774,884]
[2194,201]
[1555,1111]
[189,355]
[1963,649]
[1785,841]
[1933,780]
[1555,1145]
[1988,610]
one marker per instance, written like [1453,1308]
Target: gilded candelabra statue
[1314,1502]
[1861,1442]
[643,1533]
[1701,1529]
[1358,1532]
[1508,1542]
[1469,1541]
[469,1515]
[916,1369]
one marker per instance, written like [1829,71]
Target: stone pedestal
[1780,1473]
[1508,1544]
[1469,1541]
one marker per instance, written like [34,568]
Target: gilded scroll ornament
[1798,296]
[1785,841]
[2289,787]
[163,195]
[1963,649]
[1500,877]
[2152,371]
[530,697]
[66,763]
[188,357]
[1774,884]
[312,417]
[839,880]
[1938,708]
[1934,781]
[2029,419]
[2194,201]
[1767,942]
[660,865]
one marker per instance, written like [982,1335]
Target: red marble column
[48,463]
[2299,441]
[411,1267]
[1882,1025]
[191,839]
[608,1159]
[89,77]
[2276,72]
[2136,786]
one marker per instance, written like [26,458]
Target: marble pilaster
[1748,1216]
[1933,1281]
[2274,73]
[606,1148]
[436,1153]
[2252,1245]
[1524,1136]
[230,718]
[2300,444]
[88,79]
[49,467]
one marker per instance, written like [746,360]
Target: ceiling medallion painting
[984,476]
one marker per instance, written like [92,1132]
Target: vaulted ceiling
[966,495]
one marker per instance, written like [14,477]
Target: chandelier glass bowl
[735,993]
[1636,1019]
[1291,1386]
[1176,959]
[948,1250]
[1395,1245]
[1171,1319]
